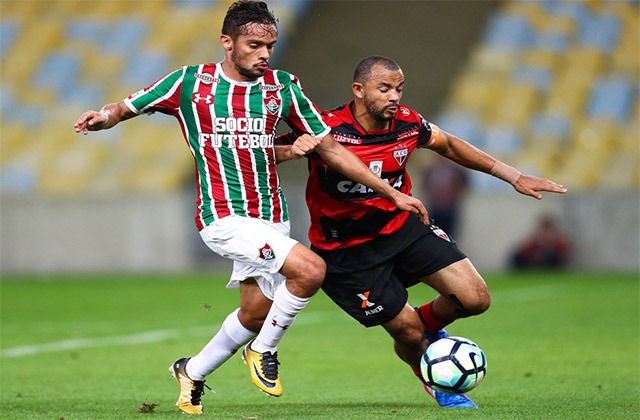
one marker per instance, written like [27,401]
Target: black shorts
[370,281]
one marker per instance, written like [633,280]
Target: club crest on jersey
[197,97]
[400,155]
[272,104]
[206,78]
[266,253]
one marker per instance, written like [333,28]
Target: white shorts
[257,247]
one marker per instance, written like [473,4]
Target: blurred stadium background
[549,86]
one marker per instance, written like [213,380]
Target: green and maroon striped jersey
[230,128]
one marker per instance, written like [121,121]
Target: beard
[379,114]
[249,73]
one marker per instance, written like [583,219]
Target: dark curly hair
[243,12]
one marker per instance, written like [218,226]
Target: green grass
[559,346]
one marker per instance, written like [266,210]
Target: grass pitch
[559,346]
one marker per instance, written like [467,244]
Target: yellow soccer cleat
[190,391]
[264,370]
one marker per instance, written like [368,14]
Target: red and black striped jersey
[345,213]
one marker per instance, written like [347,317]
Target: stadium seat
[538,76]
[19,176]
[477,93]
[518,102]
[9,31]
[462,124]
[14,135]
[502,141]
[90,30]
[486,60]
[508,31]
[600,31]
[541,58]
[611,98]
[575,10]
[550,126]
[58,71]
[145,68]
[551,40]
[125,36]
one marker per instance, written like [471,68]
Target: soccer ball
[453,365]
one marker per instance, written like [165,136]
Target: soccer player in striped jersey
[228,112]
[373,252]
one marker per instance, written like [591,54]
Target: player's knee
[315,272]
[478,303]
[311,276]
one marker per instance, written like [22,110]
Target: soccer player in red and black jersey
[375,252]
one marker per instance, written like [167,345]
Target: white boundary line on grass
[145,337]
[525,294]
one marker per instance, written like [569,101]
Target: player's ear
[358,90]
[226,42]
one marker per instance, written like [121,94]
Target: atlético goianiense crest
[400,154]
[266,253]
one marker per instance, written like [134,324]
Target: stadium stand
[552,85]
[60,58]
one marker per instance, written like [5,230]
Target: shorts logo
[266,253]
[365,299]
[441,233]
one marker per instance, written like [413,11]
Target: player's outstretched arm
[349,164]
[469,156]
[107,117]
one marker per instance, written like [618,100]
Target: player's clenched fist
[304,145]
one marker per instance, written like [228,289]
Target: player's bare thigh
[461,283]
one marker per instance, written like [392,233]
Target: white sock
[231,336]
[284,310]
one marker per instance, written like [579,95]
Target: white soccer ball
[453,365]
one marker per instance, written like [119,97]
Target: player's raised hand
[533,185]
[91,121]
[107,117]
[304,145]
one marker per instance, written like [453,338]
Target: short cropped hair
[243,12]
[363,69]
